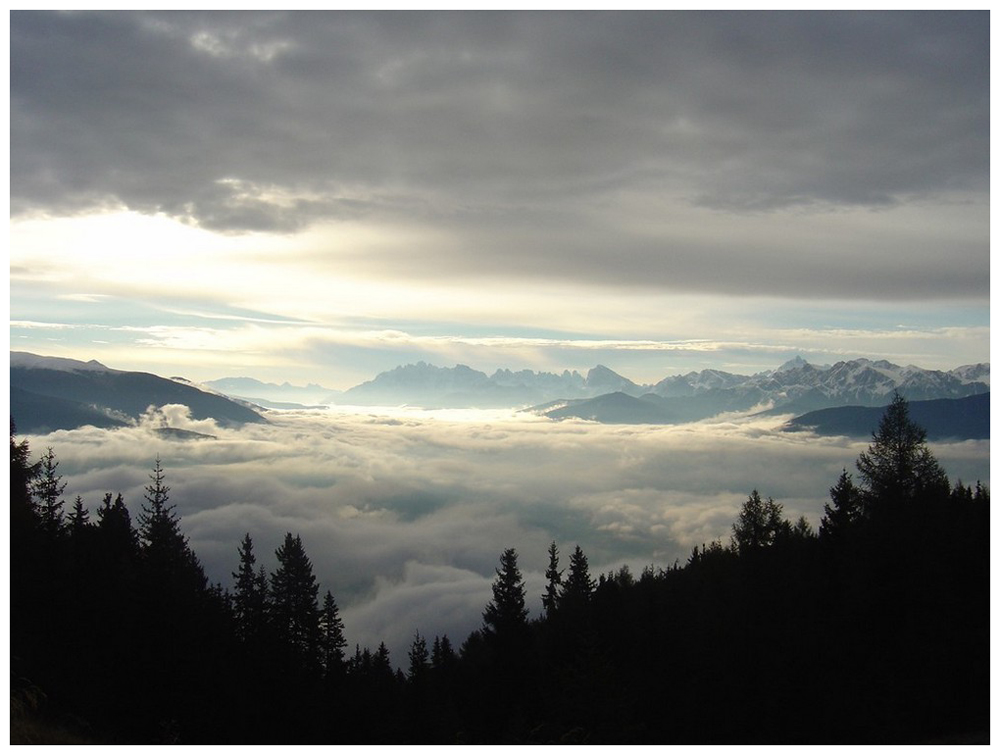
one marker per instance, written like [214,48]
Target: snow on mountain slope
[30,361]
[973,373]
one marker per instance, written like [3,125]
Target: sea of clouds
[404,513]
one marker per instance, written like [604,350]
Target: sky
[321,196]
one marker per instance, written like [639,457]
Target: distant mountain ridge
[461,386]
[272,395]
[943,419]
[51,393]
[423,384]
[795,387]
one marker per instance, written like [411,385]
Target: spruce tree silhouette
[553,575]
[295,604]
[759,525]
[578,586]
[47,490]
[23,518]
[168,562]
[418,657]
[844,510]
[249,596]
[898,468]
[119,540]
[332,641]
[78,520]
[506,615]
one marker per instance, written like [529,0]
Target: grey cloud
[431,600]
[916,252]
[527,122]
[686,151]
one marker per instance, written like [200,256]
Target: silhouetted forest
[873,629]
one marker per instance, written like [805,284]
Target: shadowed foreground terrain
[874,629]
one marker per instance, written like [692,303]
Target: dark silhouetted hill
[616,408]
[35,413]
[943,419]
[63,394]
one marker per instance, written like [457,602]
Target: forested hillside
[873,629]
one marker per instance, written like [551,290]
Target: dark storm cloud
[565,137]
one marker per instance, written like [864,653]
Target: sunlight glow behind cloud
[508,189]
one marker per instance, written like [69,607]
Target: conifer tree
[418,657]
[759,525]
[898,467]
[47,491]
[381,664]
[114,524]
[436,652]
[362,662]
[23,517]
[165,553]
[442,654]
[249,594]
[802,529]
[79,518]
[81,532]
[578,586]
[506,613]
[27,589]
[844,509]
[554,576]
[295,603]
[332,641]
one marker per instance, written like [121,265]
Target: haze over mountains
[272,395]
[52,393]
[604,395]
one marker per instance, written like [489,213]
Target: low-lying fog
[404,513]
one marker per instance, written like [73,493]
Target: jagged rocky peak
[604,376]
[973,373]
[793,364]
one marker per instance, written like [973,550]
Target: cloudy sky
[321,196]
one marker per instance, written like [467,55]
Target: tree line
[875,628]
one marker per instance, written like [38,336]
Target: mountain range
[795,387]
[50,393]
[428,386]
[273,395]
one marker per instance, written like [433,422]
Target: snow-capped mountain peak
[973,373]
[793,364]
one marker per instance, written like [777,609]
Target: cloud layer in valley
[404,514]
